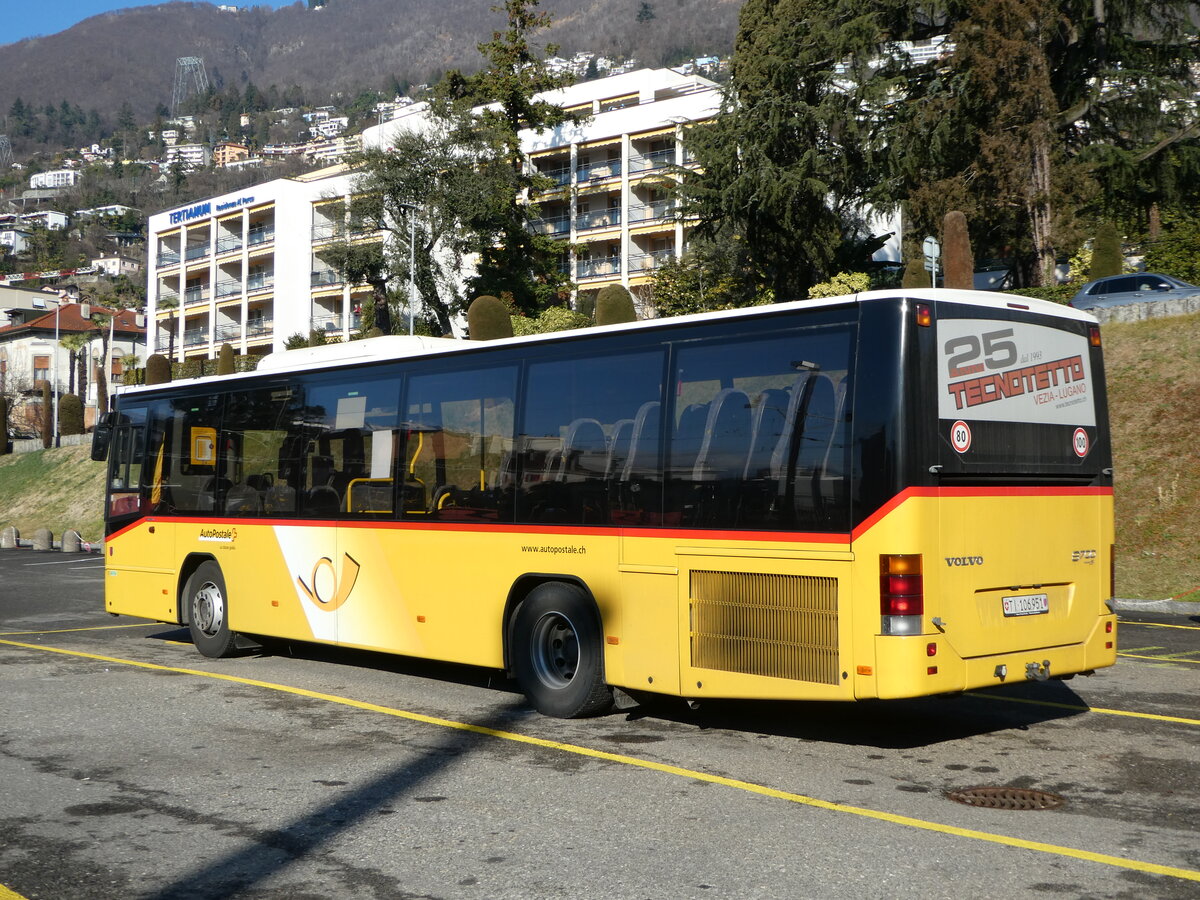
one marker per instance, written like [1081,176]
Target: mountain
[344,47]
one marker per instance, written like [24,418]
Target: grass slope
[1153,370]
[1154,400]
[56,489]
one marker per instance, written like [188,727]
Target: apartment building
[57,178]
[610,173]
[246,268]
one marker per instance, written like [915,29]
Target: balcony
[229,243]
[646,262]
[551,225]
[163,342]
[228,331]
[600,218]
[194,295]
[257,327]
[167,299]
[194,336]
[659,159]
[327,231]
[259,236]
[324,277]
[332,324]
[229,287]
[560,177]
[167,258]
[597,268]
[260,281]
[659,209]
[197,251]
[599,171]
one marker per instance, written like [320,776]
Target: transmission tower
[190,80]
[6,157]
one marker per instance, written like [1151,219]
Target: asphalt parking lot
[131,766]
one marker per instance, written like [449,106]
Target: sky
[27,18]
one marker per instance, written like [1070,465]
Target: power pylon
[6,157]
[190,80]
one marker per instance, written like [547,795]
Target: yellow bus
[891,494]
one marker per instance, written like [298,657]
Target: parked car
[1118,290]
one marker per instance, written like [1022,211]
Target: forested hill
[346,46]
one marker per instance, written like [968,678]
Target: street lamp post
[411,209]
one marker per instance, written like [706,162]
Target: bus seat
[585,451]
[241,498]
[766,426]
[780,455]
[688,438]
[618,448]
[726,443]
[643,443]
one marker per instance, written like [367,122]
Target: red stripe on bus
[955,492]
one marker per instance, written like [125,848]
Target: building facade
[246,269]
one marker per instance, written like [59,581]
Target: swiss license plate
[1026,605]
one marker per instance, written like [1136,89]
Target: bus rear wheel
[208,611]
[557,653]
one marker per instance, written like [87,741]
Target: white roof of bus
[391,347]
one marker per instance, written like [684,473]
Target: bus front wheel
[208,611]
[557,653]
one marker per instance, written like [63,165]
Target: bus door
[1023,469]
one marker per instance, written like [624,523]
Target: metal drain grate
[1006,798]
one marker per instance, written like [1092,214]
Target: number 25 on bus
[891,494]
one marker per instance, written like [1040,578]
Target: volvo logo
[953,561]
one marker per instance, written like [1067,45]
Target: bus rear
[995,551]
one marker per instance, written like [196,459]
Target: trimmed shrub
[556,318]
[915,275]
[841,284]
[957,259]
[47,416]
[585,304]
[614,304]
[158,369]
[225,363]
[488,319]
[70,414]
[1106,252]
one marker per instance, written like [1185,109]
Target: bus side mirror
[102,437]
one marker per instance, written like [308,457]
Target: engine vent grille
[784,626]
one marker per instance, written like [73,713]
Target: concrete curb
[1159,606]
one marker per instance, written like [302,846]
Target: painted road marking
[666,769]
[1141,649]
[1094,709]
[1125,623]
[63,562]
[65,630]
[1194,662]
[6,894]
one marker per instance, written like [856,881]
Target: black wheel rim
[554,650]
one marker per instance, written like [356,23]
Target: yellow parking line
[1194,662]
[1093,709]
[6,894]
[65,630]
[635,762]
[1125,623]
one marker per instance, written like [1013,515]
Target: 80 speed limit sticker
[960,436]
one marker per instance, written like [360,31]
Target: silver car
[1118,290]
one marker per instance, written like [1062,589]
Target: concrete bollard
[9,537]
[43,539]
[71,542]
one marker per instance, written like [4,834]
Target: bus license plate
[1026,605]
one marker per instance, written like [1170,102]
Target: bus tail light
[1094,335]
[901,593]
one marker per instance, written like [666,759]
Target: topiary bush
[47,416]
[225,363]
[488,319]
[957,259]
[158,369]
[70,414]
[915,275]
[1106,252]
[614,304]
